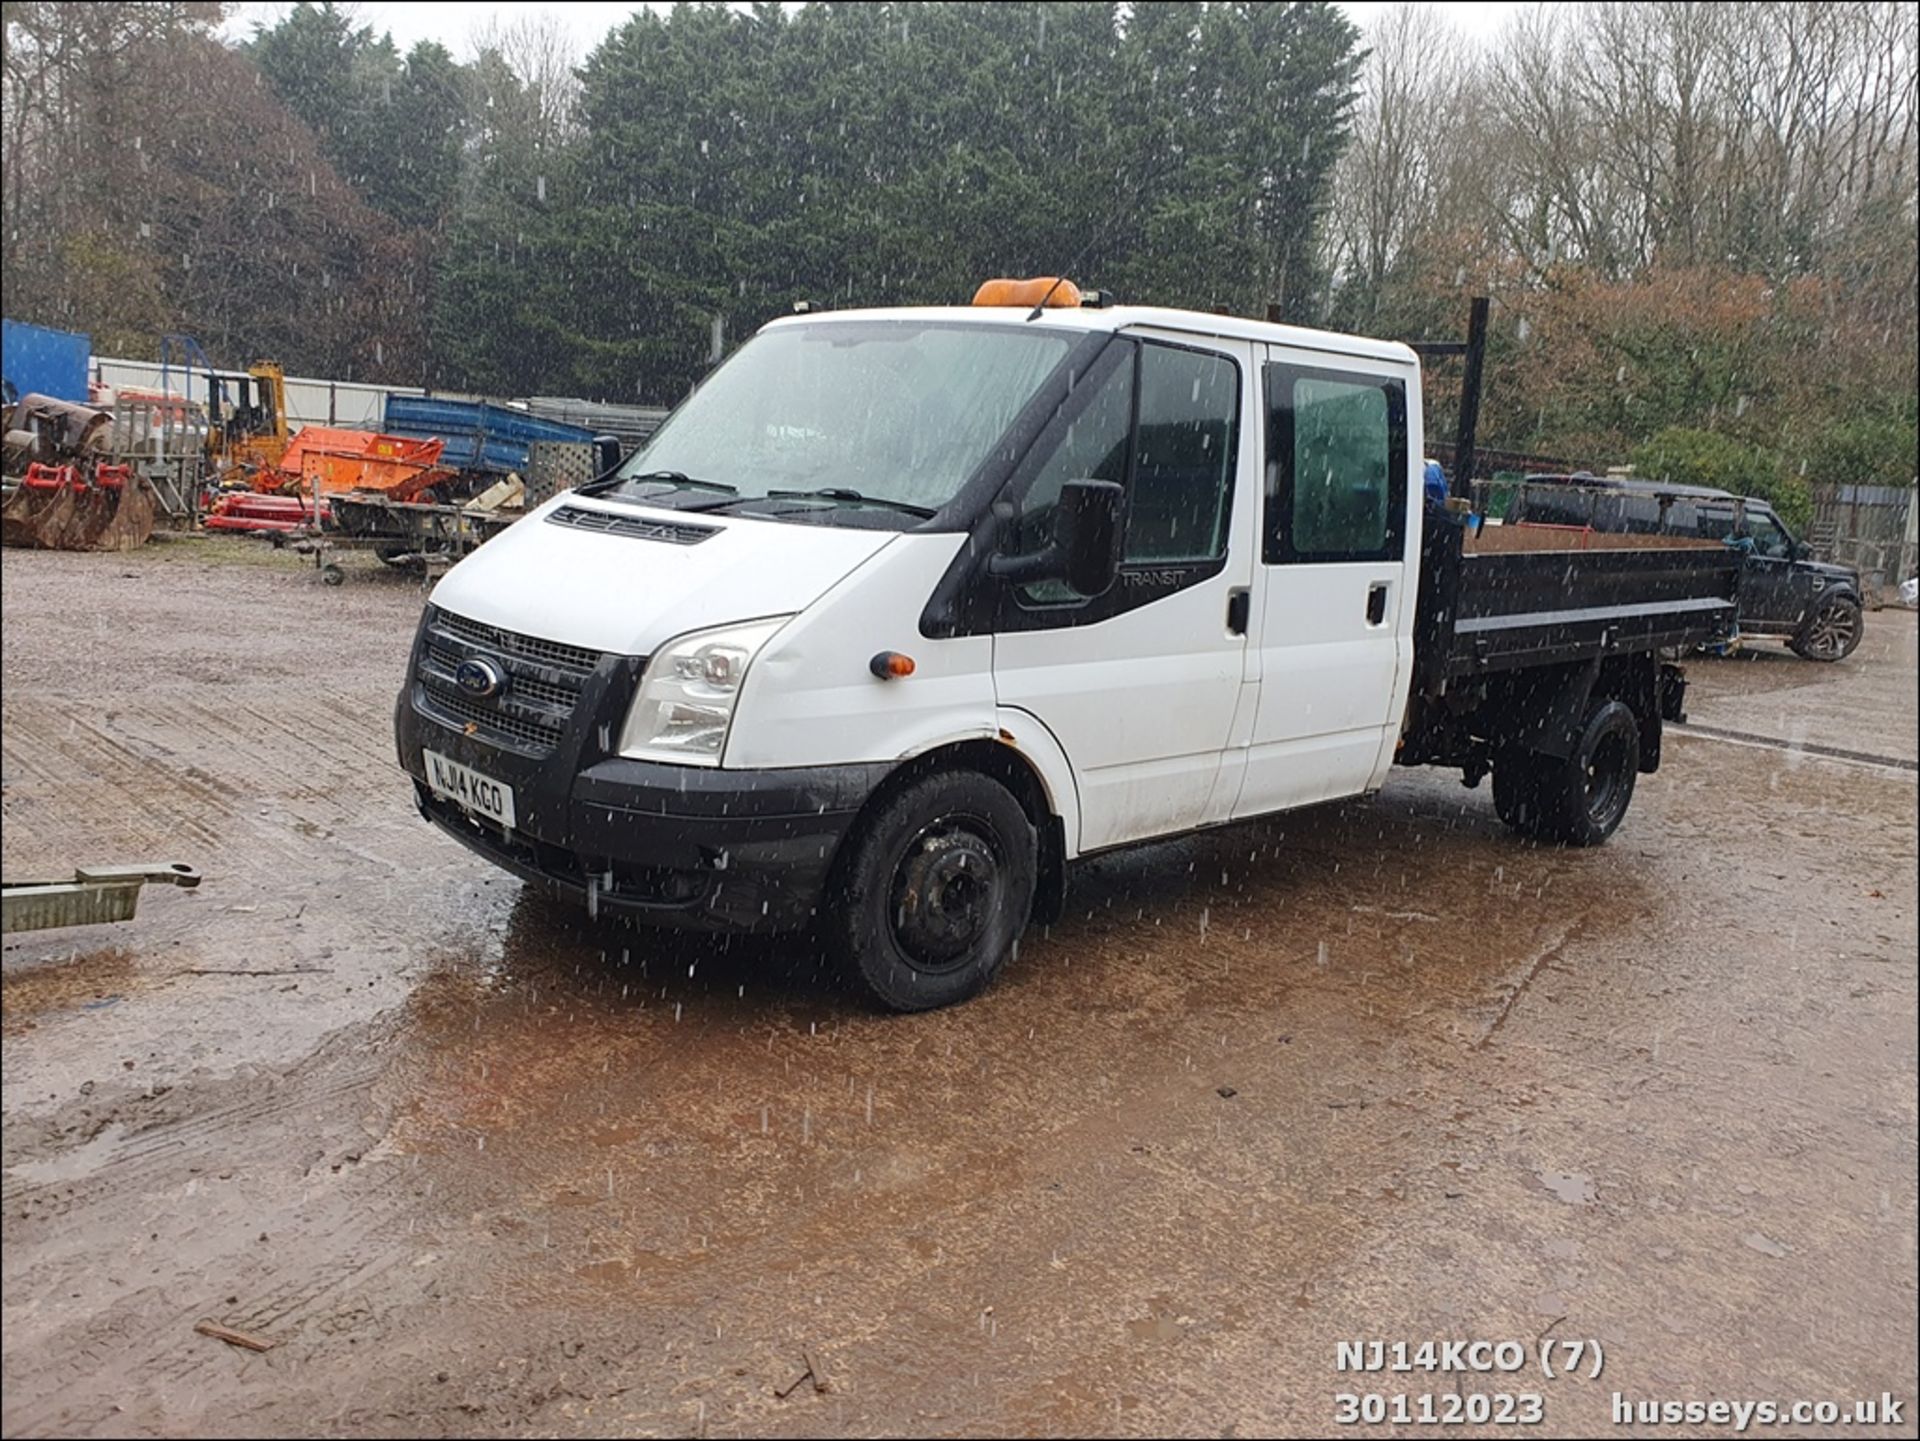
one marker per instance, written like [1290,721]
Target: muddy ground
[1374,1071]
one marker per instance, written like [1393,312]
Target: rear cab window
[1336,473]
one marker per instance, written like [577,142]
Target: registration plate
[465,786]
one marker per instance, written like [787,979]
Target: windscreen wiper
[677,479]
[853,497]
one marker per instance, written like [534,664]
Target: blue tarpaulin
[39,361]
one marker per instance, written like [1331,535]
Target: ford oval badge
[480,678]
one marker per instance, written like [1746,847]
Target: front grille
[498,727]
[634,527]
[532,647]
[532,711]
[525,684]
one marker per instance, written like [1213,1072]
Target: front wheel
[935,891]
[1831,632]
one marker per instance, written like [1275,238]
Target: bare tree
[538,52]
[1391,172]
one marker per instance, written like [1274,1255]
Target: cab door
[1140,686]
[1334,592]
[1773,590]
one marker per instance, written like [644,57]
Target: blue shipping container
[478,435]
[39,361]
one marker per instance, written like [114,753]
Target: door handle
[1377,602]
[1239,605]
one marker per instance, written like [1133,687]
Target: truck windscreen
[898,412]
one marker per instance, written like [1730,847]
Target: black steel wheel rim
[947,888]
[1606,780]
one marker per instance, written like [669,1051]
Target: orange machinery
[342,460]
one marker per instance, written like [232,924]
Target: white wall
[350,405]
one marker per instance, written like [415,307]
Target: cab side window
[1183,473]
[1176,464]
[1717,523]
[1336,467]
[1091,446]
[1768,539]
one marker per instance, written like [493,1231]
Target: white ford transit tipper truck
[904,610]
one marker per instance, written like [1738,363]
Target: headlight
[686,698]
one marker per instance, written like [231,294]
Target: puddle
[70,1166]
[1162,1322]
[1572,1187]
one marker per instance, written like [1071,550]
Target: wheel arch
[1010,764]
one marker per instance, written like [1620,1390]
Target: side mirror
[606,454]
[1085,548]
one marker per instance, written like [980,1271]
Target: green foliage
[731,162]
[155,184]
[1704,457]
[512,224]
[392,128]
[1865,450]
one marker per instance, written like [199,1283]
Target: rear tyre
[1584,797]
[1831,632]
[933,894]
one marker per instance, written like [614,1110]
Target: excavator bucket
[70,497]
[37,515]
[114,513]
[56,508]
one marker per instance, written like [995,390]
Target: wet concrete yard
[1370,1072]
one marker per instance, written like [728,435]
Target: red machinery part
[256,511]
[50,477]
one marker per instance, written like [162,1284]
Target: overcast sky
[590,20]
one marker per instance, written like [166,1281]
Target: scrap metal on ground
[62,492]
[95,896]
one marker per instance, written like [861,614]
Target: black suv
[1784,591]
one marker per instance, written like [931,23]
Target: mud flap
[1673,693]
[1550,709]
[1050,886]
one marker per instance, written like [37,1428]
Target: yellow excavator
[246,423]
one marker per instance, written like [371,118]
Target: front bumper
[686,846]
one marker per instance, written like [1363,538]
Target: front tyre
[1831,632]
[934,892]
